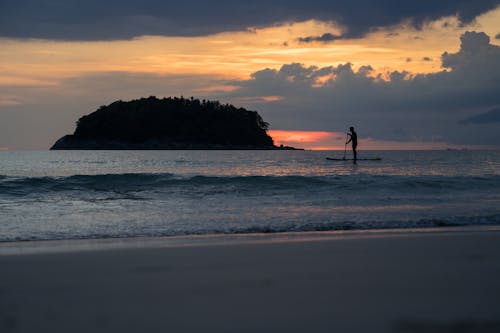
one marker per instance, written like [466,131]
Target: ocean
[55,195]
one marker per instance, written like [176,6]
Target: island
[169,123]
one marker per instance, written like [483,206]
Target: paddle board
[351,159]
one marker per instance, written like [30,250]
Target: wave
[456,221]
[493,219]
[137,182]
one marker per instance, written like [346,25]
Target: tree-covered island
[169,123]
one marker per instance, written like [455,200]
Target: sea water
[48,195]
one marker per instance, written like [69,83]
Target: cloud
[473,45]
[119,19]
[423,107]
[325,38]
[492,116]
[7,100]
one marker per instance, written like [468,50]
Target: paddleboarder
[353,137]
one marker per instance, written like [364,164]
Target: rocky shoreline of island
[70,142]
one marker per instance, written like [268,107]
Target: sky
[407,75]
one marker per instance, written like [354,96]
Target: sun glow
[307,139]
[281,136]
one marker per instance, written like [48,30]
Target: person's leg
[355,153]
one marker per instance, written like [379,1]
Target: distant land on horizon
[174,123]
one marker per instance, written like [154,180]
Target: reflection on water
[247,163]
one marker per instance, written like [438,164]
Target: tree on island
[174,120]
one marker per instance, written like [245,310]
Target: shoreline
[123,243]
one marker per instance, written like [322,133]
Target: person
[353,137]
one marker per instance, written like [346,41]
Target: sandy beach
[435,280]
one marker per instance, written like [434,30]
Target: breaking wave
[272,229]
[137,182]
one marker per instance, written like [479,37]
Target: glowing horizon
[322,140]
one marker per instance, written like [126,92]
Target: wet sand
[440,280]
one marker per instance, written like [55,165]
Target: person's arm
[350,138]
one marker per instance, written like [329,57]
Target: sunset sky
[408,75]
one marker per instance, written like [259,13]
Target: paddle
[345,146]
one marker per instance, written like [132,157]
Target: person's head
[351,129]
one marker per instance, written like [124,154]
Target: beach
[411,280]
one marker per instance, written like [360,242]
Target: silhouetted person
[353,137]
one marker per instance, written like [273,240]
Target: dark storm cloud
[422,107]
[121,19]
